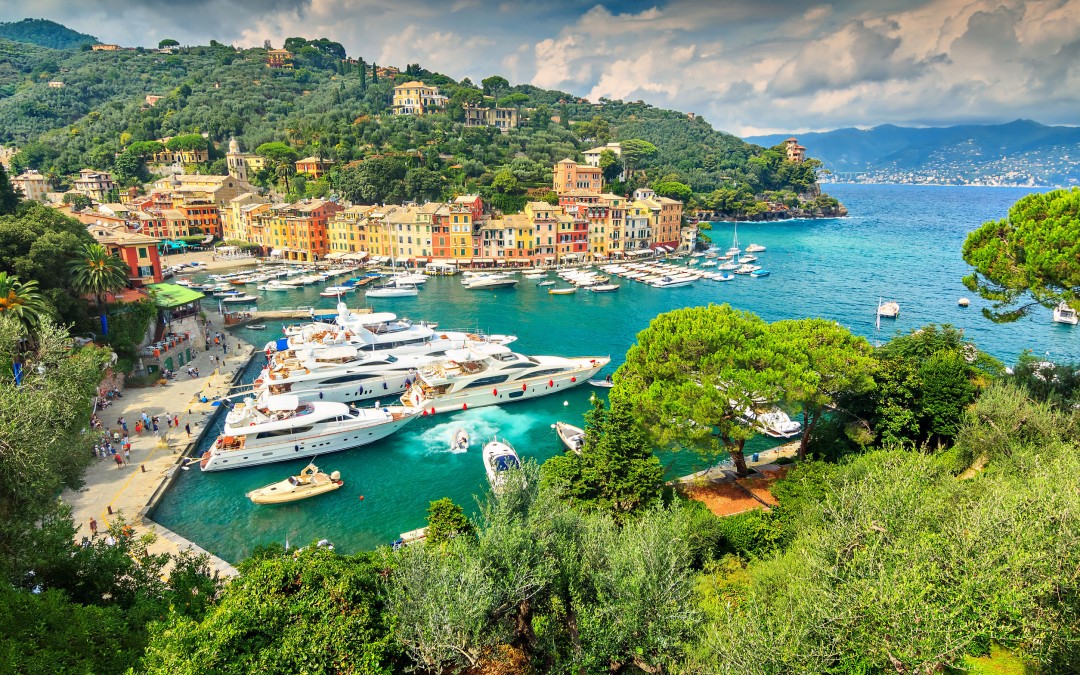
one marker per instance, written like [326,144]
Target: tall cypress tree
[9,197]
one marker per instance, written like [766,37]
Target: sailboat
[734,251]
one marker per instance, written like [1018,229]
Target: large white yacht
[282,428]
[491,374]
[379,331]
[342,373]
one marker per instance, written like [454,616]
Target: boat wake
[482,425]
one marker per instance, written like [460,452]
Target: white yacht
[672,282]
[392,291]
[274,285]
[284,428]
[379,331]
[491,374]
[342,374]
[488,282]
[1065,314]
[755,248]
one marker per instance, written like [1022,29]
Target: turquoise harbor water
[901,243]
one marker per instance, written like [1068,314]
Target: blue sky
[748,66]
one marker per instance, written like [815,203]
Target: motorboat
[274,285]
[604,288]
[562,291]
[282,428]
[484,283]
[755,248]
[746,259]
[888,310]
[672,282]
[491,374]
[396,291]
[757,274]
[773,422]
[335,291]
[257,326]
[549,282]
[310,482]
[500,459]
[603,384]
[241,298]
[724,276]
[728,266]
[409,538]
[572,437]
[535,275]
[1063,313]
[222,293]
[410,278]
[746,269]
[460,441]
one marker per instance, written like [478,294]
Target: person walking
[93,527]
[176,421]
[119,461]
[187,428]
[138,428]
[155,425]
[123,425]
[127,455]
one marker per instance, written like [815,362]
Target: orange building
[569,176]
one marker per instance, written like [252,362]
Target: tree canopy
[1033,253]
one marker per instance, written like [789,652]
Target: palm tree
[21,300]
[96,271]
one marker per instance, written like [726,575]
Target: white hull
[268,451]
[486,284]
[505,392]
[386,388]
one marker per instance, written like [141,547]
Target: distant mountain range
[1018,153]
[45,33]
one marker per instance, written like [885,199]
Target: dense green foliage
[36,244]
[9,198]
[615,470]
[1033,253]
[895,565]
[45,33]
[332,108]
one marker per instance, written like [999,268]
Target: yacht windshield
[506,462]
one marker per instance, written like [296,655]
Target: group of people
[113,446]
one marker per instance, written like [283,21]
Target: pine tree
[374,73]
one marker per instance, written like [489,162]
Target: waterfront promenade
[130,490]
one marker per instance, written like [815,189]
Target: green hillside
[45,33]
[337,108]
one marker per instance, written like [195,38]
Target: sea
[899,243]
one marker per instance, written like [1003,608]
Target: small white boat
[757,274]
[1063,313]
[499,460]
[755,248]
[562,291]
[535,275]
[411,537]
[888,310]
[604,288]
[572,437]
[549,282]
[746,259]
[724,276]
[257,326]
[603,384]
[460,441]
[310,483]
[490,282]
[403,291]
[274,285]
[335,291]
[671,282]
[244,297]
[963,302]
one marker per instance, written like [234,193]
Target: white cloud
[789,65]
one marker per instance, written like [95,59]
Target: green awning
[168,296]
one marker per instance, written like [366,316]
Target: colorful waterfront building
[139,251]
[316,167]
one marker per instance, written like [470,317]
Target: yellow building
[236,217]
[417,98]
[614,223]
[33,185]
[242,166]
[348,228]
